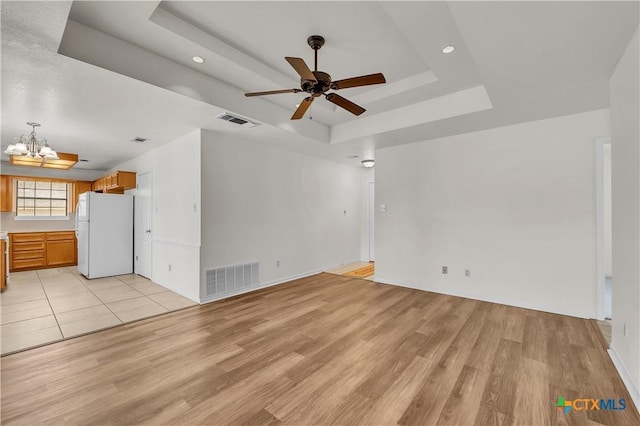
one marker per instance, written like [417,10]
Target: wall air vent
[139,140]
[227,280]
[237,120]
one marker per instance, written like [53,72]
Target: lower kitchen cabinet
[27,251]
[37,250]
[61,249]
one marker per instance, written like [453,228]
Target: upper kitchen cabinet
[116,183]
[6,193]
[79,187]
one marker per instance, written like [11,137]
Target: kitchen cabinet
[3,267]
[99,185]
[27,251]
[61,248]
[115,183]
[6,193]
[37,250]
[79,187]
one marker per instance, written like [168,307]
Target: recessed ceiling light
[448,49]
[353,156]
[198,59]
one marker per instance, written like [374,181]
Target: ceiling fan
[317,83]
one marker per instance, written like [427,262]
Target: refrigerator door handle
[77,229]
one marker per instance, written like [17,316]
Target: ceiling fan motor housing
[318,87]
[315,41]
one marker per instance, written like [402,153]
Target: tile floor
[48,305]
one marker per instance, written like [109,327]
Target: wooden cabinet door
[126,180]
[61,248]
[79,187]
[61,253]
[6,193]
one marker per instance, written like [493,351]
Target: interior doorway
[371,215]
[143,231]
[605,279]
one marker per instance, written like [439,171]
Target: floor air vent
[230,279]
[237,120]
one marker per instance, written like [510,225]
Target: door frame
[371,215]
[600,142]
[138,233]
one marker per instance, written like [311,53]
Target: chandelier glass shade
[32,146]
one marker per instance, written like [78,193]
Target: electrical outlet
[624,329]
[277,263]
[467,273]
[445,270]
[169,267]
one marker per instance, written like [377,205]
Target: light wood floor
[325,349]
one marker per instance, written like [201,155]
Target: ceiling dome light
[448,49]
[368,163]
[198,59]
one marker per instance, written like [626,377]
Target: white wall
[265,204]
[625,150]
[175,222]
[9,224]
[515,205]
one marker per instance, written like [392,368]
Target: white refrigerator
[104,229]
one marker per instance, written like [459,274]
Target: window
[41,199]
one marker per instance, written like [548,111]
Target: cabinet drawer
[61,236]
[29,246]
[28,264]
[24,255]
[26,238]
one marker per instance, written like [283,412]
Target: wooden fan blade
[363,80]
[304,106]
[345,103]
[301,68]
[272,92]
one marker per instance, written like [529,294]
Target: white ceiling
[99,73]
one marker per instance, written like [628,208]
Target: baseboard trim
[624,375]
[217,297]
[484,299]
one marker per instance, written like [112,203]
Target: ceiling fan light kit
[317,83]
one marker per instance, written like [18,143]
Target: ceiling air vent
[139,140]
[237,120]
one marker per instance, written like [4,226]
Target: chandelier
[32,146]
